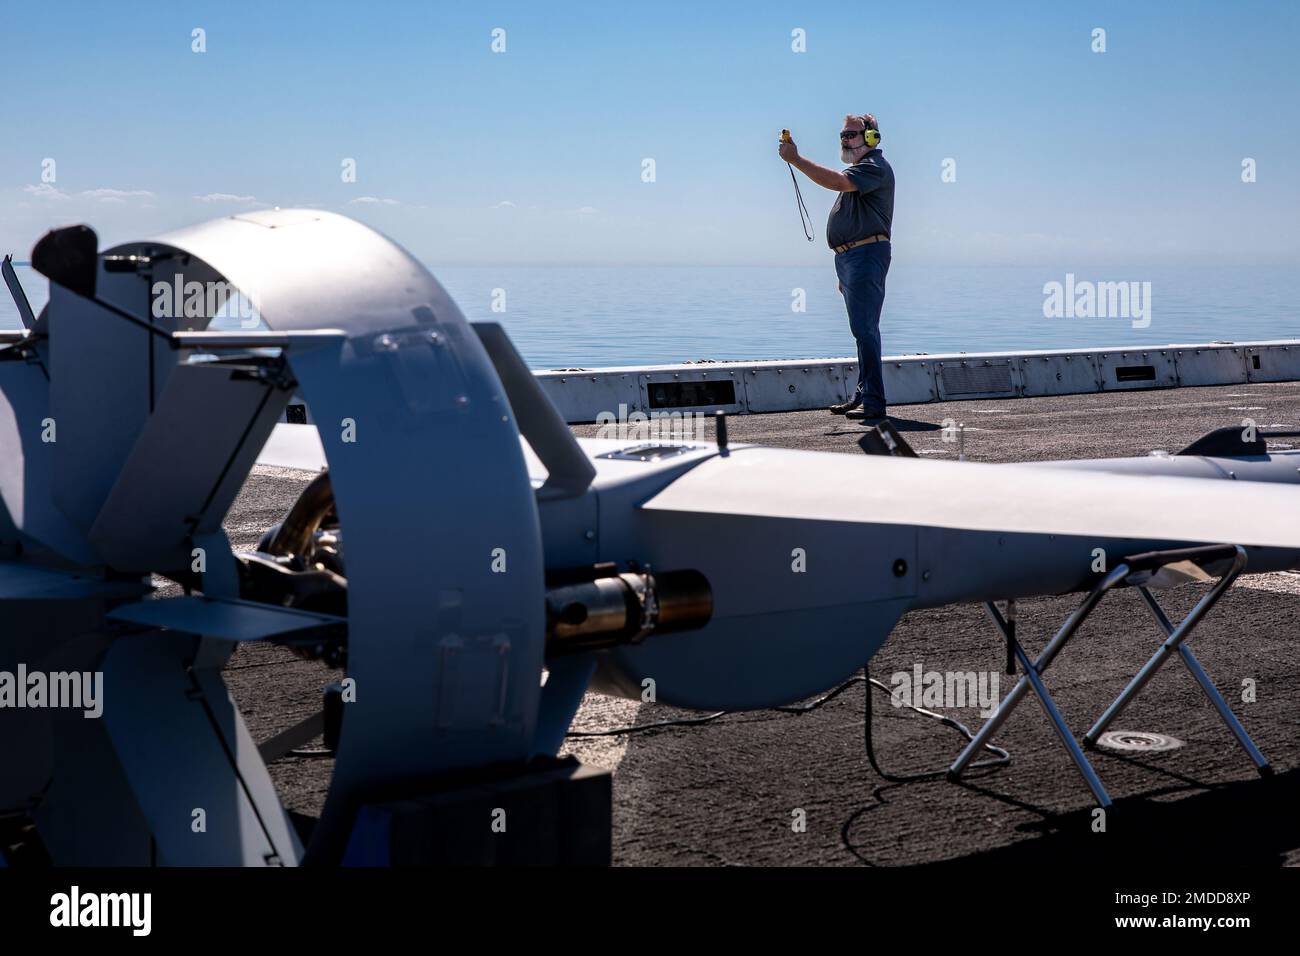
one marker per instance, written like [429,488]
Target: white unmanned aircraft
[462,542]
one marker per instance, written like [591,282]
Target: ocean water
[571,316]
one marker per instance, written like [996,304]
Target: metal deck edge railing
[588,395]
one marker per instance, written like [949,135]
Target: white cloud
[225,197]
[103,195]
[374,199]
[586,210]
[503,204]
[45,191]
[116,195]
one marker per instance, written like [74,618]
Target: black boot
[870,415]
[844,409]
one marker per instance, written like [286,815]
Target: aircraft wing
[971,496]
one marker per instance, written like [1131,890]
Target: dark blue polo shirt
[869,210]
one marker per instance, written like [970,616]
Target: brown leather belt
[878,237]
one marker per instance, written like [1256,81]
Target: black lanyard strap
[805,220]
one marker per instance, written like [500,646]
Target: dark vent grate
[976,379]
[1135,373]
[691,394]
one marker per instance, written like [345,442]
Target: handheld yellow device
[785,136]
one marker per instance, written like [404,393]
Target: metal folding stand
[1135,570]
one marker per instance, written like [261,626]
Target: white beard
[851,156]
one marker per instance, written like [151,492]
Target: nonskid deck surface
[726,792]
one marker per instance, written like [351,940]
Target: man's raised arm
[818,174]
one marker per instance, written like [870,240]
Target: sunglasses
[850,133]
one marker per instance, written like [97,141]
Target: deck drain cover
[1137,741]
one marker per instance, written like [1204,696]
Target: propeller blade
[68,256]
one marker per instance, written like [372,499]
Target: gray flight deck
[725,792]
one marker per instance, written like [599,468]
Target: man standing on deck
[858,231]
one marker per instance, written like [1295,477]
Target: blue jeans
[862,272]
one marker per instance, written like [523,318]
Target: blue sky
[534,156]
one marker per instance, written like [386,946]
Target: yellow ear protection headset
[870,135]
